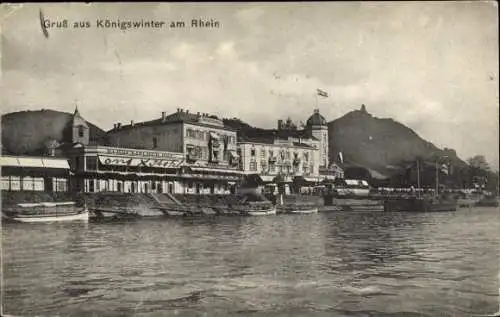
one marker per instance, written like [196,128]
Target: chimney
[114,126]
[187,111]
[131,123]
[118,125]
[163,115]
[178,109]
[198,113]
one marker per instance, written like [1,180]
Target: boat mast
[437,179]
[418,177]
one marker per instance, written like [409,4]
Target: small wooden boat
[304,211]
[419,204]
[297,209]
[264,212]
[256,209]
[46,212]
[487,202]
[175,213]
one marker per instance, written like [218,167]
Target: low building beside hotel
[47,174]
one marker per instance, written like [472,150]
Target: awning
[267,178]
[378,175]
[36,162]
[352,182]
[222,171]
[30,162]
[55,163]
[8,161]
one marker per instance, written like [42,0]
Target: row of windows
[280,168]
[203,153]
[27,183]
[282,154]
[205,135]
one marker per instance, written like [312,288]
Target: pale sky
[429,65]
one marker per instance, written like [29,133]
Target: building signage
[139,162]
[149,154]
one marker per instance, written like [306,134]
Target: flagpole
[316,95]
[418,177]
[437,179]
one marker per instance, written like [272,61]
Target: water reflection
[323,264]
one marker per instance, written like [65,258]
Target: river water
[328,264]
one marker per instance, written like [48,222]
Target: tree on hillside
[478,162]
[479,170]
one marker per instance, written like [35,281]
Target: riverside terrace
[102,168]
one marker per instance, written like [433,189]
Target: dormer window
[81,131]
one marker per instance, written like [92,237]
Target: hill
[27,132]
[378,144]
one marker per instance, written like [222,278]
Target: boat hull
[487,203]
[262,212]
[419,205]
[304,211]
[81,216]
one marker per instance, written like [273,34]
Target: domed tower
[80,129]
[318,127]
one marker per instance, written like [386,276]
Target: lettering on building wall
[143,162]
[143,153]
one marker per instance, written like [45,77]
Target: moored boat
[256,209]
[419,204]
[488,201]
[305,211]
[46,212]
[263,212]
[297,209]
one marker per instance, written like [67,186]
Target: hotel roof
[176,117]
[253,134]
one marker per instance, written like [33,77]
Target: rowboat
[297,209]
[419,204]
[304,211]
[256,209]
[263,212]
[45,212]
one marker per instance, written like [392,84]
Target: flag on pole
[341,158]
[322,93]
